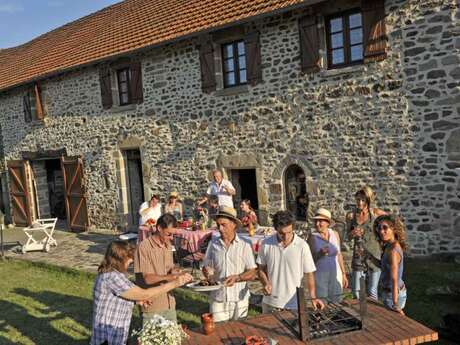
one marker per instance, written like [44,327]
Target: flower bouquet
[159,331]
[150,222]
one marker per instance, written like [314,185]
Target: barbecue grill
[335,318]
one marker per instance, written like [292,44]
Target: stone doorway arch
[294,183]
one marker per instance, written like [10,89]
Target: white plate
[196,287]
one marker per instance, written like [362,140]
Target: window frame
[128,85]
[236,63]
[345,15]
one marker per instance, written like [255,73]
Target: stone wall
[393,125]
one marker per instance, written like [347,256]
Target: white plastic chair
[44,226]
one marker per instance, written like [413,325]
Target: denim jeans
[388,299]
[372,283]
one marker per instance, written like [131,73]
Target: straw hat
[324,214]
[227,212]
[174,195]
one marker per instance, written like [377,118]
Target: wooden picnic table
[382,326]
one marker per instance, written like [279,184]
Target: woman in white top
[150,210]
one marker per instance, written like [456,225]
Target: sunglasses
[383,227]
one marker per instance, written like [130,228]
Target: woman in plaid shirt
[114,295]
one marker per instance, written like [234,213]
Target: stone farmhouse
[301,102]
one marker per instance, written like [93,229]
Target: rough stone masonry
[393,124]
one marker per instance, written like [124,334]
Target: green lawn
[42,304]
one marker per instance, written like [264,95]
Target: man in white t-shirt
[283,260]
[222,188]
[150,210]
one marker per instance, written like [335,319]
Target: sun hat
[324,214]
[174,195]
[227,212]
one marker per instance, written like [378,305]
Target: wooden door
[75,197]
[20,196]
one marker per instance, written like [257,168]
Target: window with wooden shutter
[137,94]
[253,58]
[375,37]
[208,73]
[27,107]
[234,63]
[344,39]
[124,85]
[32,104]
[106,87]
[309,44]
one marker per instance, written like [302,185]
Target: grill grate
[333,319]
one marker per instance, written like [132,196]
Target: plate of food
[204,285]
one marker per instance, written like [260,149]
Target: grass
[43,304]
[428,310]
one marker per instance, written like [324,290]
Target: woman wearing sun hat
[174,206]
[366,248]
[330,274]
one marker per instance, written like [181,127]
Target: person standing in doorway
[222,188]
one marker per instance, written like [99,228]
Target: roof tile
[120,28]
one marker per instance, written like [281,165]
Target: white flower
[159,331]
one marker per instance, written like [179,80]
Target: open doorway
[245,183]
[296,192]
[48,189]
[135,187]
[55,181]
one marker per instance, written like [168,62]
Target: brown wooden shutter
[75,196]
[38,103]
[253,58]
[309,44]
[208,73]
[27,108]
[137,94]
[374,31]
[106,87]
[20,196]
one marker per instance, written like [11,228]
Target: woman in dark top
[366,248]
[392,235]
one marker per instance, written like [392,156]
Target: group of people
[219,193]
[284,262]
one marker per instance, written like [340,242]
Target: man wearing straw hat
[284,261]
[229,259]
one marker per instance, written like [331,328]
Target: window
[32,105]
[124,85]
[345,39]
[234,63]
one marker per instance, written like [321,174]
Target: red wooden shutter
[27,108]
[309,44]
[137,94]
[374,31]
[208,73]
[106,87]
[75,197]
[38,102]
[253,58]
[20,197]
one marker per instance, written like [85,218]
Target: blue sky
[23,20]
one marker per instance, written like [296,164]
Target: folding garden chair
[184,253]
[44,226]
